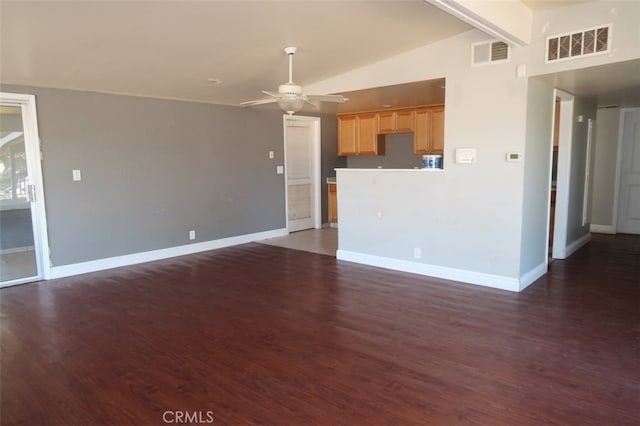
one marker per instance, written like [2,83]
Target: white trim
[532,275]
[602,229]
[586,200]
[150,256]
[454,8]
[315,166]
[470,277]
[575,245]
[27,103]
[563,179]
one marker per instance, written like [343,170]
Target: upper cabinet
[358,135]
[400,121]
[428,137]
[364,133]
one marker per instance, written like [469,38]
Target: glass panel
[17,255]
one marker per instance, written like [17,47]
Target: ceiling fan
[290,97]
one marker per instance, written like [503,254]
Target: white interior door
[24,248]
[302,172]
[629,192]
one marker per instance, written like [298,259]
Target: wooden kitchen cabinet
[333,203]
[428,135]
[400,121]
[347,135]
[358,135]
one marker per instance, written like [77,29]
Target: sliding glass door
[22,224]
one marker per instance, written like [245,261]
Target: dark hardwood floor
[257,334]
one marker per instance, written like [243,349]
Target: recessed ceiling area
[429,92]
[616,84]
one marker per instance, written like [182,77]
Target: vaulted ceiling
[172,49]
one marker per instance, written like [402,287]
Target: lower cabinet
[333,203]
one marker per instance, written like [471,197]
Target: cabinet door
[368,134]
[333,203]
[437,130]
[347,135]
[386,122]
[404,121]
[422,131]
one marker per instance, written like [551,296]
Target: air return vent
[592,41]
[489,52]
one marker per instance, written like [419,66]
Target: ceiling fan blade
[327,98]
[316,105]
[275,95]
[259,102]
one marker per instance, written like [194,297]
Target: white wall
[467,217]
[575,230]
[624,15]
[604,171]
[537,177]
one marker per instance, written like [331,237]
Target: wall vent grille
[489,52]
[578,44]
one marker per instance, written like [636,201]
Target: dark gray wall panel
[398,155]
[154,169]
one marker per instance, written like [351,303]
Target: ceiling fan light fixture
[291,105]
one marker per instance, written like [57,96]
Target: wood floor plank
[259,334]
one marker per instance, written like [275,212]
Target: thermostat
[514,156]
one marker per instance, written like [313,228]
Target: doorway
[24,248]
[302,172]
[628,205]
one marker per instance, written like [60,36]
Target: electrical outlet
[417,252]
[192,235]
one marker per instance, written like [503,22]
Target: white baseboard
[602,229]
[532,275]
[470,277]
[574,246]
[150,256]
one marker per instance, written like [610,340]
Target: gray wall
[398,155]
[604,170]
[153,170]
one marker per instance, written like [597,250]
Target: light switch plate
[279,170]
[77,175]
[465,155]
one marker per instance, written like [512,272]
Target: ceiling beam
[507,20]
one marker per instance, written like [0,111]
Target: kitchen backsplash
[399,155]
